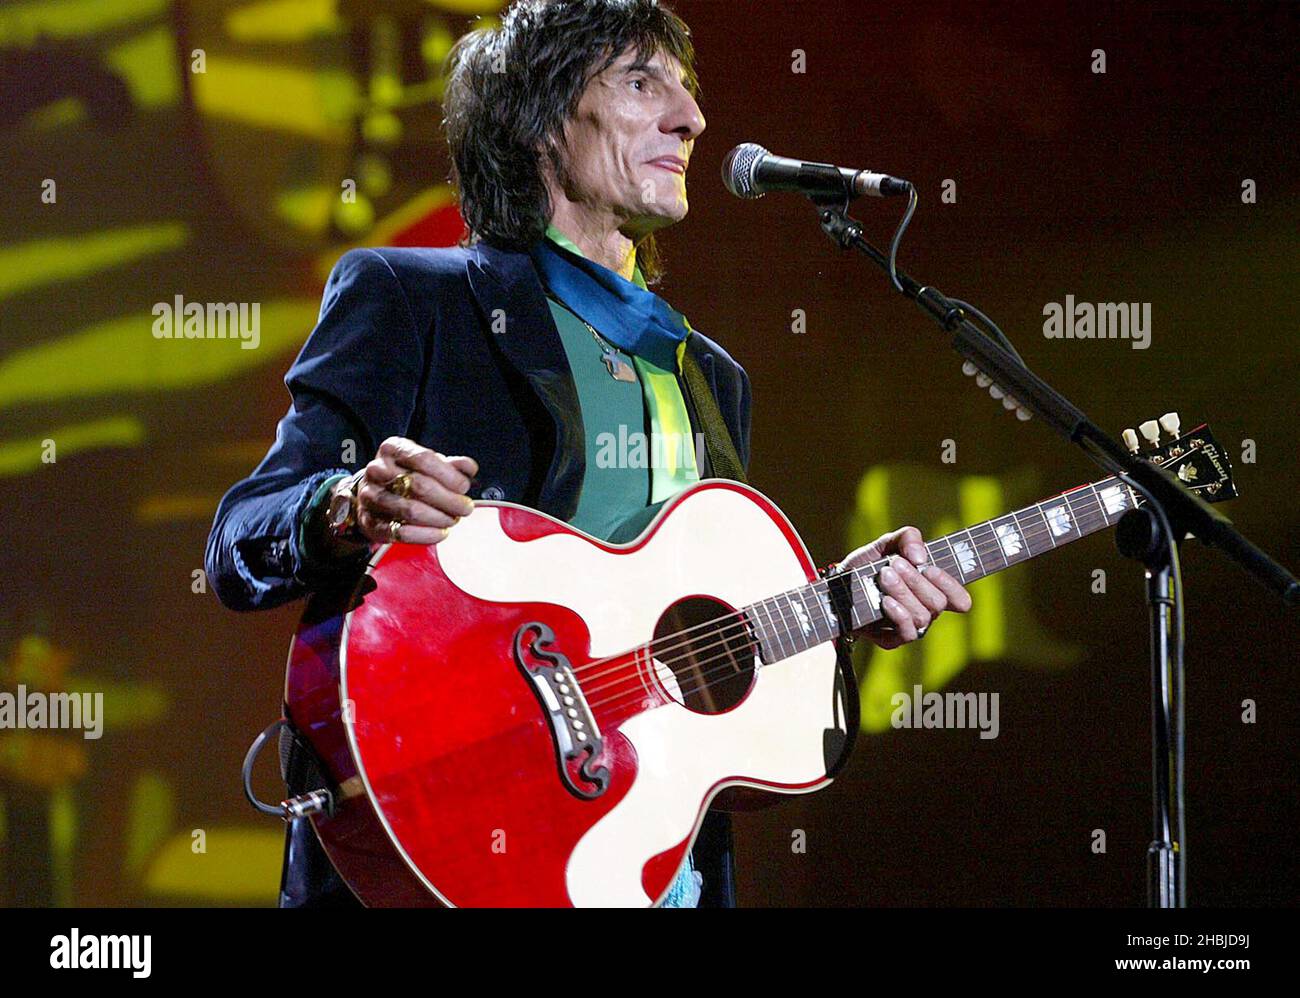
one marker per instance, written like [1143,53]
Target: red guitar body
[501,731]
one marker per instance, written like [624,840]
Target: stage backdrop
[159,153]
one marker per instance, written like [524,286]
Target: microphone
[750,171]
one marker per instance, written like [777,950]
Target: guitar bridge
[574,732]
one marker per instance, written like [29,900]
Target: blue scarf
[631,317]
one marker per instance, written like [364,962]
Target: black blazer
[455,349]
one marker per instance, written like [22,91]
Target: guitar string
[714,670]
[873,568]
[1070,498]
[729,634]
[743,618]
[632,671]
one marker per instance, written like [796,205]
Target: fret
[802,632]
[973,552]
[1058,518]
[991,549]
[792,622]
[816,625]
[986,546]
[1097,509]
[967,554]
[1078,509]
[810,634]
[787,623]
[1082,509]
[1011,539]
[760,629]
[1046,540]
[824,622]
[947,562]
[805,638]
[1090,511]
[822,589]
[1114,497]
[779,626]
[1035,542]
[866,599]
[780,601]
[863,596]
[968,557]
[771,637]
[1033,529]
[1086,511]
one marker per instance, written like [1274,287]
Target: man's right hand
[437,498]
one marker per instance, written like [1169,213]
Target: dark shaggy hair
[511,89]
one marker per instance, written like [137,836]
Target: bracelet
[343,510]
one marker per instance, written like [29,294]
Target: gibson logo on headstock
[1201,466]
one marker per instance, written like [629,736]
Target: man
[496,370]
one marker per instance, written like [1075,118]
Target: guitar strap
[717,438]
[713,847]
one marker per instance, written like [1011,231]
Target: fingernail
[889,577]
[916,554]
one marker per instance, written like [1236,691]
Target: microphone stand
[1149,534]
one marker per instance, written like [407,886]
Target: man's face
[629,143]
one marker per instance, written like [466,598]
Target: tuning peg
[1170,423]
[1150,430]
[1131,441]
[984,381]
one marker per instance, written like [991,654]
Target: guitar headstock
[1194,457]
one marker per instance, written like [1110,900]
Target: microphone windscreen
[738,170]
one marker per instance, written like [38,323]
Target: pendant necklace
[618,368]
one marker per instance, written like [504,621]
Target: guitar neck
[799,619]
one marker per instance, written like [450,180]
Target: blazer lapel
[511,300]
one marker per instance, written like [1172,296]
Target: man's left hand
[915,591]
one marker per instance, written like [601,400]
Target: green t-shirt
[639,448]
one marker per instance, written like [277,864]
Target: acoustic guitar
[526,715]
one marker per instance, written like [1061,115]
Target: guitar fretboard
[798,619]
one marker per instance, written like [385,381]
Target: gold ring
[400,486]
[395,531]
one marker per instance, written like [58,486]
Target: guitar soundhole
[704,654]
